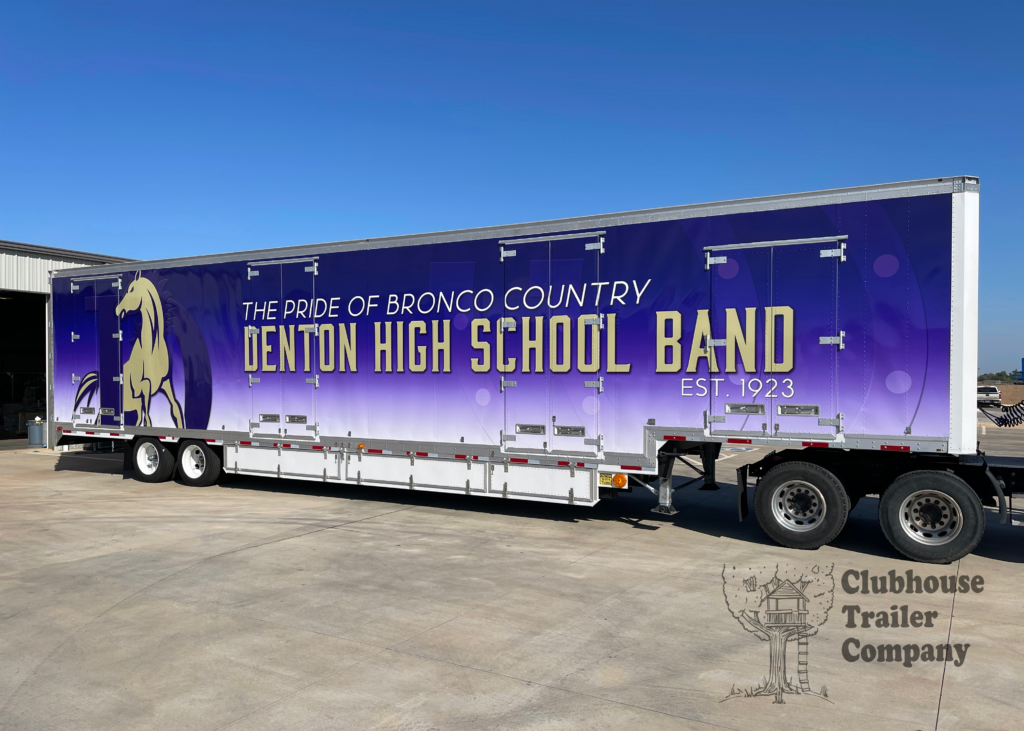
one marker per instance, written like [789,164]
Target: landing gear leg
[666,460]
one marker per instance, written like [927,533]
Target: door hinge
[709,260]
[507,384]
[252,380]
[315,381]
[118,379]
[252,330]
[313,269]
[598,384]
[116,335]
[597,245]
[506,253]
[75,337]
[506,437]
[117,284]
[833,340]
[253,272]
[595,442]
[710,419]
[75,287]
[75,379]
[507,324]
[594,320]
[715,343]
[836,422]
[839,253]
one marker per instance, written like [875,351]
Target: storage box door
[522,346]
[575,346]
[263,348]
[83,353]
[307,347]
[731,372]
[108,346]
[802,339]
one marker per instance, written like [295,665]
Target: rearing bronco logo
[148,370]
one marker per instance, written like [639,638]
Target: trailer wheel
[931,516]
[801,505]
[198,465]
[152,461]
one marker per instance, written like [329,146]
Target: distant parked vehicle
[989,396]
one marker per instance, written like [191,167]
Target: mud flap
[741,492]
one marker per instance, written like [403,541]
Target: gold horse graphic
[148,370]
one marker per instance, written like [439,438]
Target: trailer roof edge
[906,189]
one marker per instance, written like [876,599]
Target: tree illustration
[779,604]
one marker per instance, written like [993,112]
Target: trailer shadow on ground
[711,513]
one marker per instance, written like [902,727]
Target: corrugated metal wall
[26,273]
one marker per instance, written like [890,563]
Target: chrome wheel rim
[930,517]
[798,506]
[193,461]
[147,458]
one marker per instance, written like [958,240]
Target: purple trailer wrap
[523,360]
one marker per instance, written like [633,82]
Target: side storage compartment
[552,484]
[416,473]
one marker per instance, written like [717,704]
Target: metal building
[24,291]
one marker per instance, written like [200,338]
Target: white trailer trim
[963,331]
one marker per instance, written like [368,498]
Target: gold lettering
[701,334]
[564,324]
[536,344]
[306,330]
[327,348]
[382,346]
[442,346]
[480,365]
[400,347]
[346,347]
[670,341]
[251,351]
[740,338]
[583,365]
[267,348]
[770,315]
[613,366]
[504,366]
[286,339]
[417,354]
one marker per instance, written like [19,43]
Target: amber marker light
[619,480]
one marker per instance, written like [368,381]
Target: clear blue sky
[146,129]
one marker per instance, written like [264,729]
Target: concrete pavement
[260,604]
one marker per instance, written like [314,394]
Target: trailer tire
[931,516]
[198,464]
[801,505]
[152,460]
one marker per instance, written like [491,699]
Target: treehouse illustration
[780,604]
[787,607]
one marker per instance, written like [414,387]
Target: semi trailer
[565,361]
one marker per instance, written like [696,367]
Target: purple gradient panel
[891,297]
